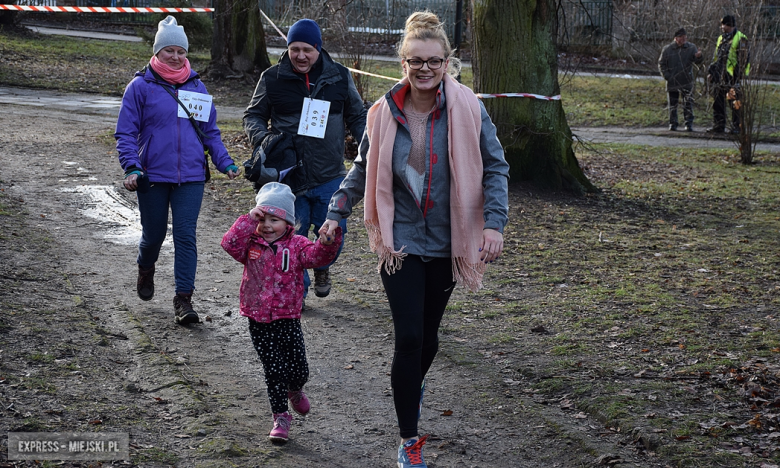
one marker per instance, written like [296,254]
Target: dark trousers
[184,201]
[719,107]
[418,294]
[283,354]
[674,100]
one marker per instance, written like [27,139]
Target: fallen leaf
[96,421]
[182,436]
[351,280]
[349,367]
[447,413]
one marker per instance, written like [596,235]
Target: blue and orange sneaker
[410,453]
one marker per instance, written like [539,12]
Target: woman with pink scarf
[435,180]
[166,121]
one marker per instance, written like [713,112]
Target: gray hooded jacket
[426,232]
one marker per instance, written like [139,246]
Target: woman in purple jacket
[165,123]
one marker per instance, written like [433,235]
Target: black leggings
[418,294]
[283,354]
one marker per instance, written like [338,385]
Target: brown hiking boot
[145,284]
[322,283]
[182,305]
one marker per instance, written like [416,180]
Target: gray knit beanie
[278,200]
[170,33]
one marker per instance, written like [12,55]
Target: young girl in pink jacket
[271,294]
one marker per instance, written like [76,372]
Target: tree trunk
[514,52]
[238,48]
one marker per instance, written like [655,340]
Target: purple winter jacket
[269,291]
[149,134]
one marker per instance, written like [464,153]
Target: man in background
[730,64]
[676,66]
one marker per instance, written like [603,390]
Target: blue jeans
[311,207]
[184,201]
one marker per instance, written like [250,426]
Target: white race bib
[314,118]
[198,104]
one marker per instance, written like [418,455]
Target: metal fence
[380,16]
[585,22]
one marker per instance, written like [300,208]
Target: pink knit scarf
[171,75]
[464,122]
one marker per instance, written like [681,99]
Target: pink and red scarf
[171,75]
[464,121]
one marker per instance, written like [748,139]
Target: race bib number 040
[314,118]
[198,104]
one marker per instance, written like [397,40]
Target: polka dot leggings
[283,354]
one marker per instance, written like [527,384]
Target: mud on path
[80,352]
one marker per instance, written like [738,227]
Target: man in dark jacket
[676,66]
[313,98]
[729,65]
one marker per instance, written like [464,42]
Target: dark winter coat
[676,65]
[278,98]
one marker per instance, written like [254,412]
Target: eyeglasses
[433,63]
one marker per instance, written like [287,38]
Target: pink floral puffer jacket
[272,284]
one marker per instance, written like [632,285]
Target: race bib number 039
[314,118]
[198,104]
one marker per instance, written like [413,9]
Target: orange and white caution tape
[77,9]
[525,95]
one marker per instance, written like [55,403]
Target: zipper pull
[285,260]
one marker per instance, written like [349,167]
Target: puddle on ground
[119,219]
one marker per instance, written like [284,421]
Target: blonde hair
[425,25]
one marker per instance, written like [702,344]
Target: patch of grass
[672,278]
[40,357]
[155,454]
[40,384]
[501,338]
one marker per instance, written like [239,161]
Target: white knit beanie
[170,33]
[278,200]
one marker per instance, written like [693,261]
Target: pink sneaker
[281,430]
[299,402]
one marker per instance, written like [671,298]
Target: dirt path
[80,352]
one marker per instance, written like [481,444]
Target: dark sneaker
[410,454]
[281,431]
[689,128]
[299,402]
[145,284]
[322,283]
[182,305]
[715,130]
[672,128]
